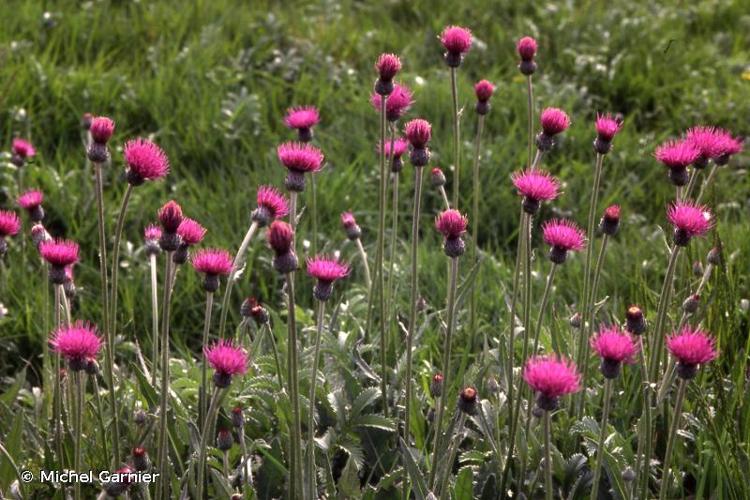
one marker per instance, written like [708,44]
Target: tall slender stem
[392,245]
[314,215]
[588,325]
[108,337]
[78,421]
[414,286]
[707,183]
[602,436]
[365,265]
[116,256]
[202,448]
[99,413]
[688,192]
[530,115]
[444,494]
[237,263]
[548,493]
[154,319]
[382,321]
[311,412]
[451,320]
[269,332]
[540,314]
[666,478]
[204,364]
[456,137]
[665,298]
[513,302]
[475,220]
[163,455]
[247,470]
[296,432]
[643,425]
[57,398]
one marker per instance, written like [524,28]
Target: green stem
[108,337]
[78,426]
[202,448]
[57,398]
[116,256]
[204,365]
[451,320]
[269,332]
[512,319]
[295,434]
[99,413]
[540,314]
[530,115]
[311,412]
[667,473]
[602,436]
[687,193]
[314,215]
[588,324]
[414,286]
[444,195]
[154,320]
[643,425]
[444,494]
[475,221]
[382,321]
[163,455]
[665,298]
[707,183]
[237,263]
[247,470]
[456,137]
[365,265]
[548,493]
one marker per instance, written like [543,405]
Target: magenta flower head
[691,347]
[280,236]
[707,140]
[271,205]
[689,219]
[227,360]
[526,48]
[77,344]
[191,233]
[535,186]
[728,147]
[635,321]
[397,103]
[299,159]
[452,225]
[31,201]
[302,119]
[554,121]
[400,145]
[614,347]
[170,217]
[483,90]
[551,378]
[677,155]
[418,133]
[212,262]
[151,236]
[563,236]
[610,222]
[437,178]
[101,129]
[59,254]
[351,228]
[146,161]
[21,151]
[387,66]
[10,224]
[606,129]
[457,42]
[327,270]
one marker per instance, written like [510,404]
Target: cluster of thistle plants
[383,432]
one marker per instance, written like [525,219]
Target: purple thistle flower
[101,129]
[563,236]
[728,146]
[691,347]
[351,228]
[77,344]
[554,121]
[387,66]
[31,201]
[190,231]
[606,129]
[10,224]
[280,236]
[59,253]
[400,146]
[227,360]
[452,225]
[689,220]
[271,205]
[418,133]
[707,140]
[146,161]
[677,155]
[212,262]
[614,347]
[302,119]
[299,159]
[152,235]
[551,378]
[610,222]
[535,186]
[23,148]
[398,102]
[327,270]
[170,216]
[526,48]
[457,42]
[483,90]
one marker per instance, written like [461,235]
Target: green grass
[210,83]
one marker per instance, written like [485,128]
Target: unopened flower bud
[141,461]
[238,419]
[140,417]
[437,178]
[575,320]
[690,305]
[467,400]
[224,440]
[635,322]
[436,385]
[697,269]
[714,256]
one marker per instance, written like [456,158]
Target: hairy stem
[540,314]
[382,321]
[548,493]
[602,436]
[77,432]
[365,265]
[237,263]
[666,478]
[116,256]
[311,412]
[588,324]
[475,221]
[456,137]
[295,434]
[154,319]
[204,368]
[163,455]
[202,448]
[530,116]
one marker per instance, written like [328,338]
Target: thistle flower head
[326,269]
[23,148]
[398,102]
[101,129]
[400,145]
[610,222]
[418,132]
[554,121]
[607,127]
[190,231]
[30,199]
[10,224]
[451,223]
[212,261]
[564,234]
[227,360]
[351,228]
[728,146]
[536,185]
[484,90]
[146,161]
[677,154]
[614,345]
[468,399]
[526,48]
[437,177]
[77,343]
[152,232]
[271,205]
[300,157]
[59,253]
[280,236]
[691,347]
[551,378]
[689,220]
[707,140]
[170,216]
[387,66]
[456,40]
[635,322]
[302,117]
